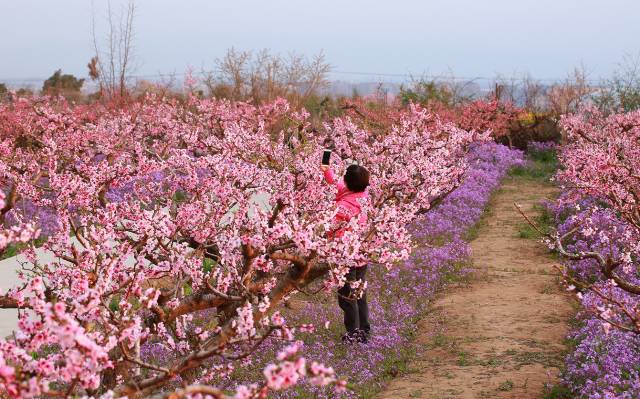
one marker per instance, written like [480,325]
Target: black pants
[356,311]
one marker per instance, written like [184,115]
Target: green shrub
[62,84]
[541,165]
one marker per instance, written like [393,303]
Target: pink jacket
[347,202]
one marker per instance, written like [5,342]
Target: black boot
[362,336]
[351,338]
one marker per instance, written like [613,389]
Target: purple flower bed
[604,361]
[488,163]
[397,299]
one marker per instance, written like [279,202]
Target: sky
[467,38]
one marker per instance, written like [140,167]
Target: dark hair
[356,178]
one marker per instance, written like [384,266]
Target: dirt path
[501,336]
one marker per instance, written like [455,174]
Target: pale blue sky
[471,37]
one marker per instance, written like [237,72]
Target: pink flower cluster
[601,161]
[288,372]
[168,208]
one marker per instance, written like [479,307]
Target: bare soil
[499,335]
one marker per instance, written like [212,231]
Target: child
[356,312]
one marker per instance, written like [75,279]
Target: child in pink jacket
[350,191]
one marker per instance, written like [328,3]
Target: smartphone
[326,156]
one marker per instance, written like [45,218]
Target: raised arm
[328,175]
